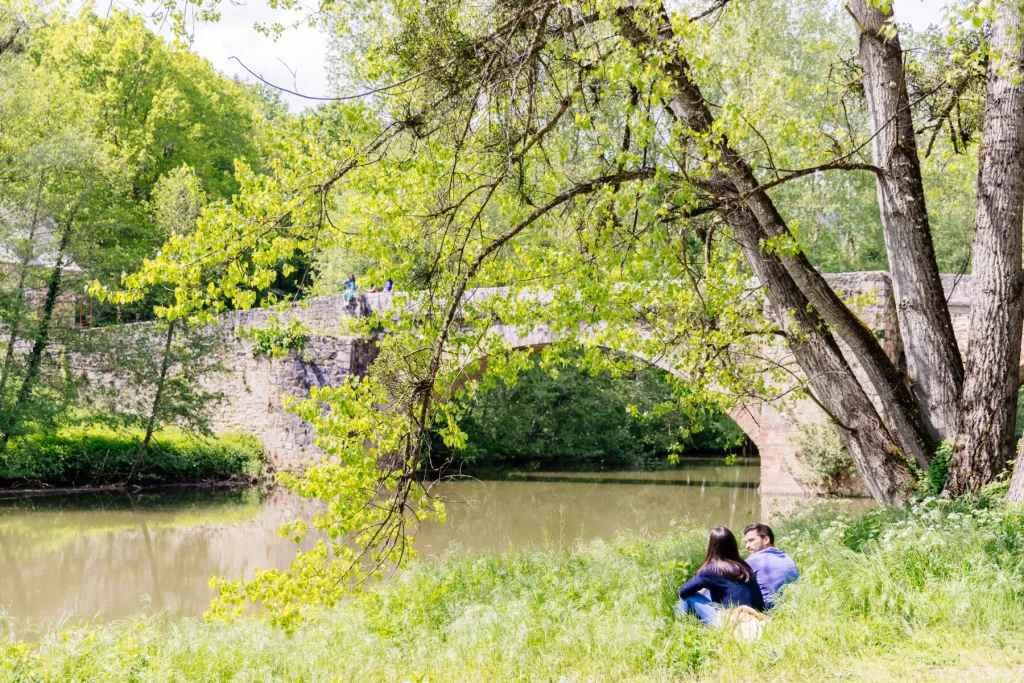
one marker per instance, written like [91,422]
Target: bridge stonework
[254,387]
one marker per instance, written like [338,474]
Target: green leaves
[276,340]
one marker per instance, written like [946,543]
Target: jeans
[701,606]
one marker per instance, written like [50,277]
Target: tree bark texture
[899,409]
[933,359]
[830,378]
[897,403]
[985,439]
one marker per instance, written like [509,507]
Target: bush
[94,455]
[822,450]
[277,340]
[929,592]
[934,478]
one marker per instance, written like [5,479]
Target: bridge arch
[745,417]
[256,386]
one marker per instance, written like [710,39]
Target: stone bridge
[253,387]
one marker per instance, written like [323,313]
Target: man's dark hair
[763,530]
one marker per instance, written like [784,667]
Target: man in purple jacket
[774,568]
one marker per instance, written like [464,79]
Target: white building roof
[19,238]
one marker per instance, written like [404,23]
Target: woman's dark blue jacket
[725,591]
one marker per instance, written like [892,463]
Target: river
[112,554]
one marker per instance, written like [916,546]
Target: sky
[297,60]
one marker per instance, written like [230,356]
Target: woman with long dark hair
[726,578]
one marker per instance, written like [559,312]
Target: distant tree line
[112,141]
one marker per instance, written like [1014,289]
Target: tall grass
[931,592]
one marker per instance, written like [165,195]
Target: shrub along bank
[97,455]
[932,592]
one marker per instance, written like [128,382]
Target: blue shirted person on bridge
[350,287]
[774,568]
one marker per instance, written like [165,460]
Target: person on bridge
[350,287]
[774,567]
[724,580]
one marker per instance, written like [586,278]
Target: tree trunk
[933,359]
[832,383]
[12,338]
[26,258]
[984,441]
[165,364]
[899,409]
[42,340]
[1016,492]
[8,40]
[898,406]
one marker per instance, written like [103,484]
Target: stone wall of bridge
[254,387]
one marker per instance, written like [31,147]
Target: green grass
[96,455]
[929,593]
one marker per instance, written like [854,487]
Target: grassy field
[933,592]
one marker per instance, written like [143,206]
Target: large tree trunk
[899,409]
[985,440]
[933,359]
[832,383]
[898,406]
[1016,492]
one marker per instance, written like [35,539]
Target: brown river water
[114,555]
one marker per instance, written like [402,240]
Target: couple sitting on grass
[726,581]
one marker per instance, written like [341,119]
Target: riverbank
[227,482]
[96,457]
[929,593]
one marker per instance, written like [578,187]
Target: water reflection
[563,507]
[115,554]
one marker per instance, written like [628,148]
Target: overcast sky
[303,50]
